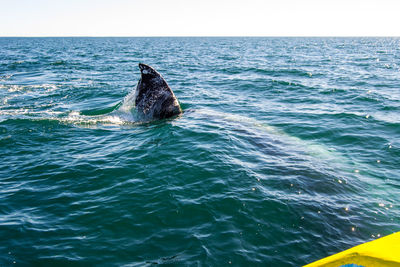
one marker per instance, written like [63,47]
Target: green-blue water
[288,151]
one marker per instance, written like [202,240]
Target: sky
[199,18]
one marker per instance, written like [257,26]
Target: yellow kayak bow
[384,251]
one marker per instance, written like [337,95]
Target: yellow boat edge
[384,251]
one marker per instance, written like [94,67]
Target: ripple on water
[287,150]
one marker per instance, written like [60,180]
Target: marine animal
[154,99]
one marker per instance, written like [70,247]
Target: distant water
[288,151]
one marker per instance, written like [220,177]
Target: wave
[101,111]
[118,114]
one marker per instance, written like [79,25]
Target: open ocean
[288,151]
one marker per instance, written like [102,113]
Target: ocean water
[288,151]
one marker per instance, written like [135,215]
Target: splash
[75,117]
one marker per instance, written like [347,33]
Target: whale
[154,99]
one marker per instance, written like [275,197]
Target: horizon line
[200,36]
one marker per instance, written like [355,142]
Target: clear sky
[200,18]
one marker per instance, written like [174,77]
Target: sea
[287,151]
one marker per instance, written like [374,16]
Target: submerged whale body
[153,98]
